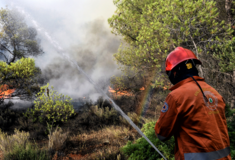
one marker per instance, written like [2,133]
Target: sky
[81,29]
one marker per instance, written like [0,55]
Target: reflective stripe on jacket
[199,127]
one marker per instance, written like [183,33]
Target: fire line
[5,92]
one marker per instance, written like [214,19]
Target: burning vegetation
[118,92]
[96,131]
[5,92]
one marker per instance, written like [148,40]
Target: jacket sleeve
[167,124]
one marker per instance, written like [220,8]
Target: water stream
[74,63]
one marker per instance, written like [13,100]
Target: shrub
[29,152]
[104,113]
[141,149]
[109,113]
[7,142]
[97,111]
[231,128]
[57,139]
[102,116]
[51,107]
[134,117]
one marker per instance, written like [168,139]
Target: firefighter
[193,112]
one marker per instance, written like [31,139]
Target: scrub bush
[57,139]
[100,116]
[104,113]
[141,149]
[231,128]
[7,142]
[134,117]
[51,107]
[17,147]
[29,152]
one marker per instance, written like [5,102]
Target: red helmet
[179,55]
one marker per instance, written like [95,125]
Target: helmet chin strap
[201,90]
[197,83]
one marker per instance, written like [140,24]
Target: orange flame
[5,92]
[111,90]
[119,93]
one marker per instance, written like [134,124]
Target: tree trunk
[228,4]
[201,71]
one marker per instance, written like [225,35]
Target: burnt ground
[90,136]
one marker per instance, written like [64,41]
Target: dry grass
[134,117]
[105,143]
[104,113]
[7,142]
[97,111]
[119,134]
[57,139]
[97,133]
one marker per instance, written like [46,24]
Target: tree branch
[227,74]
[200,68]
[6,49]
[4,56]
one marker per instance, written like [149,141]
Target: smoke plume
[94,55]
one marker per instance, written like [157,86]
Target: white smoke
[94,56]
[91,45]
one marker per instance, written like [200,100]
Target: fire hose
[114,105]
[61,53]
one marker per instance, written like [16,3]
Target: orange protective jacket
[199,127]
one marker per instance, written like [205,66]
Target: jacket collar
[189,79]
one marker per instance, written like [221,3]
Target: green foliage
[16,38]
[141,149]
[21,69]
[51,107]
[228,111]
[232,143]
[17,42]
[231,128]
[21,75]
[151,29]
[29,152]
[227,56]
